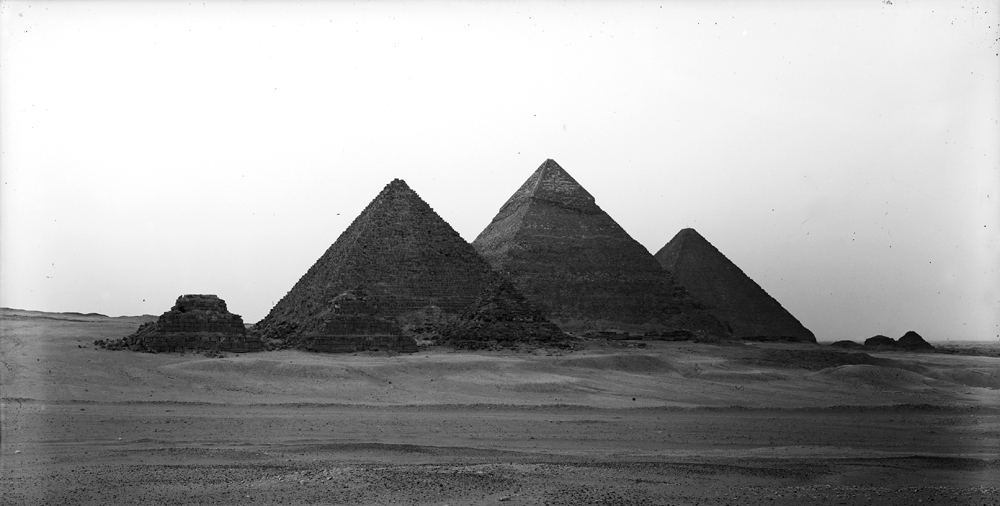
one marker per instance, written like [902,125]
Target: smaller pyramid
[196,322]
[352,323]
[502,318]
[846,343]
[913,341]
[727,291]
[880,341]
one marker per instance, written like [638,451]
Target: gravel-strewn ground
[75,453]
[614,423]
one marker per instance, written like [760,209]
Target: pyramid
[567,256]
[913,341]
[397,261]
[729,294]
[502,318]
[196,322]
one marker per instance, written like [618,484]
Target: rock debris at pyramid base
[572,260]
[678,328]
[352,323]
[501,318]
[341,343]
[727,292]
[195,323]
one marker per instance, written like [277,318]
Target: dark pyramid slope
[566,255]
[727,292]
[400,254]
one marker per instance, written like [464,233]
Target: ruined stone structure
[352,323]
[727,291]
[403,258]
[567,256]
[880,341]
[502,318]
[913,342]
[852,345]
[196,322]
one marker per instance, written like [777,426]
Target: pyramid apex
[689,232]
[552,183]
[398,187]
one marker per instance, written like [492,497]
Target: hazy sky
[846,155]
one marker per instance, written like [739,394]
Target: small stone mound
[880,341]
[813,360]
[851,345]
[353,324]
[196,322]
[913,342]
[502,318]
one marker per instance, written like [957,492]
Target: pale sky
[845,155]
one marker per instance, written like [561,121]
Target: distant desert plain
[610,422]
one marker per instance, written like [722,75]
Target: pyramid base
[179,342]
[331,343]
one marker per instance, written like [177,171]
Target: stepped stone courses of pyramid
[352,323]
[502,318]
[401,254]
[567,256]
[731,295]
[196,322]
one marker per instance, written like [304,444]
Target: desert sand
[616,422]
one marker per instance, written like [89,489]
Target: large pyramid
[727,292]
[566,255]
[403,258]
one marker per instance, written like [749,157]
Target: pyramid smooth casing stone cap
[551,183]
[554,184]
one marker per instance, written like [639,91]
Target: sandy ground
[615,423]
